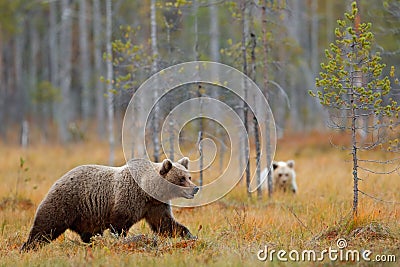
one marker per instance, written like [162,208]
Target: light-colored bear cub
[283,176]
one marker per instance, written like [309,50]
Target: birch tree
[109,82]
[266,91]
[97,37]
[53,44]
[84,59]
[154,69]
[23,97]
[314,36]
[53,49]
[64,109]
[214,31]
[199,91]
[2,90]
[245,30]
[215,46]
[34,40]
[252,75]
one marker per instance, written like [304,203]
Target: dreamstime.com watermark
[341,253]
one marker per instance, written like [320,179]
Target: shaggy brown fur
[92,198]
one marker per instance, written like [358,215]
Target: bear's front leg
[294,186]
[161,221]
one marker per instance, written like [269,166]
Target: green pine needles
[352,77]
[357,94]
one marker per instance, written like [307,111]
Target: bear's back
[86,191]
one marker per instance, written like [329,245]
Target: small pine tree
[358,96]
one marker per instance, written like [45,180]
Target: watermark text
[340,253]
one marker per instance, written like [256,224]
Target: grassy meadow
[230,231]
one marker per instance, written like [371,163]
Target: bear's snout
[190,191]
[196,189]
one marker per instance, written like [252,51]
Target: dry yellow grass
[230,231]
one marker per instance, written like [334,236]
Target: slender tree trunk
[53,45]
[200,138]
[53,50]
[245,30]
[296,27]
[65,107]
[24,140]
[253,44]
[10,82]
[18,56]
[110,95]
[85,60]
[2,91]
[201,163]
[168,27]
[34,41]
[171,141]
[353,116]
[314,37]
[363,131]
[280,111]
[265,82]
[214,32]
[100,110]
[258,156]
[22,93]
[355,159]
[154,69]
[196,31]
[199,93]
[356,82]
[6,85]
[46,107]
[253,40]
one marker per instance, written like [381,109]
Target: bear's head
[284,176]
[177,174]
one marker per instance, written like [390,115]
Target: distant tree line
[53,57]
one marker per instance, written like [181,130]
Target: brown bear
[92,198]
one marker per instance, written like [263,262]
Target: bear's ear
[290,163]
[274,165]
[166,167]
[184,162]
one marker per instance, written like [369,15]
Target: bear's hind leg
[52,218]
[42,234]
[86,236]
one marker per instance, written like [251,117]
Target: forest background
[53,56]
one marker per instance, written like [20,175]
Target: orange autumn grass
[230,231]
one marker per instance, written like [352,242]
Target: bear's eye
[287,174]
[280,175]
[190,178]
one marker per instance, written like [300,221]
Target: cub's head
[284,176]
[177,173]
